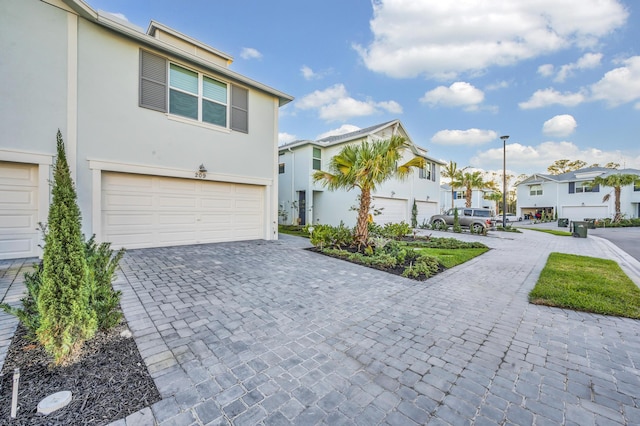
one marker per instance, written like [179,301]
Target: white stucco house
[166,144]
[305,202]
[459,200]
[573,195]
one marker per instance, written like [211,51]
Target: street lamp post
[504,180]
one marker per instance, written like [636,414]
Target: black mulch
[396,270]
[108,383]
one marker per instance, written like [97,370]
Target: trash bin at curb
[579,229]
[563,222]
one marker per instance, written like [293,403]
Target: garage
[18,210]
[153,211]
[426,209]
[393,210]
[584,212]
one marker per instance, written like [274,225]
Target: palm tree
[616,181]
[471,181]
[452,172]
[496,197]
[366,166]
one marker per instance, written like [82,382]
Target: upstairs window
[535,190]
[428,171]
[193,95]
[172,88]
[281,168]
[317,158]
[636,185]
[582,187]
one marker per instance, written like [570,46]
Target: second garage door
[153,211]
[393,210]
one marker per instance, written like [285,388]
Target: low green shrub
[103,300]
[396,230]
[324,236]
[424,266]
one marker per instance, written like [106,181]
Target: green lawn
[586,284]
[452,257]
[553,232]
[293,230]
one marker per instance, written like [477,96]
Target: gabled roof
[356,134]
[107,20]
[359,134]
[586,174]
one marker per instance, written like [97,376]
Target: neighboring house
[305,202]
[574,196]
[459,200]
[166,144]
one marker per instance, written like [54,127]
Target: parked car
[477,219]
[510,217]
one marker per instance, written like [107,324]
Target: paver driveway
[267,333]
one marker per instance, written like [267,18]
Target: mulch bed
[396,270]
[108,382]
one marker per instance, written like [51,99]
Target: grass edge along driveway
[586,284]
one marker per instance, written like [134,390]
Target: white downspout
[293,178]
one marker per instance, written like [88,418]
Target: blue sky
[560,77]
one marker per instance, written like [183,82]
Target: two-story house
[166,144]
[304,202]
[574,195]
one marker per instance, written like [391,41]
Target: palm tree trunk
[468,197]
[362,226]
[453,193]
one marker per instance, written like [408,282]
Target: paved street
[267,333]
[628,239]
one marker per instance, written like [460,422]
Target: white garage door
[152,211]
[426,209]
[18,210]
[393,210]
[584,212]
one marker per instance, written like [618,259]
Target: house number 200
[201,175]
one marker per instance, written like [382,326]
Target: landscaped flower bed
[390,250]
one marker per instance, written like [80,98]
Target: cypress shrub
[66,319]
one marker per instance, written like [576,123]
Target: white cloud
[550,96]
[250,53]
[308,73]
[587,61]
[464,137]
[459,93]
[335,104]
[546,70]
[444,39]
[620,85]
[345,128]
[536,159]
[284,137]
[560,126]
[498,85]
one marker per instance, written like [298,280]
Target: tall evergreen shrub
[66,319]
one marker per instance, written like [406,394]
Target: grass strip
[586,284]
[553,232]
[452,257]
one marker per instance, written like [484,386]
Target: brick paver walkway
[267,333]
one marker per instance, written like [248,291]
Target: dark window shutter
[239,109]
[153,81]
[595,188]
[433,172]
[572,187]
